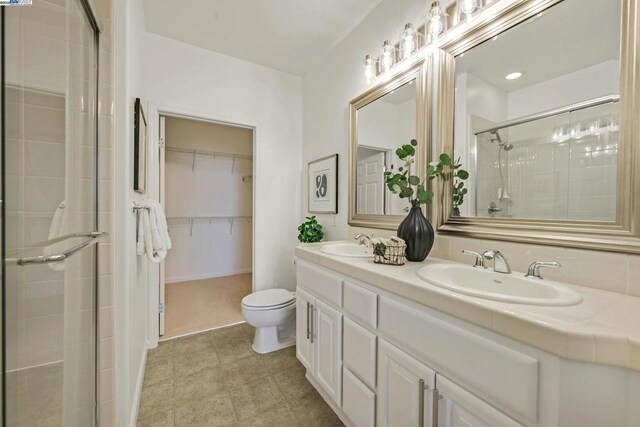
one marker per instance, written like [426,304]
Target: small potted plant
[415,230]
[310,231]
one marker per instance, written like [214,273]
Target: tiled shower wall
[573,179]
[37,36]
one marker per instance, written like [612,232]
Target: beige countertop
[604,328]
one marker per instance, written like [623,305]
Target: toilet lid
[268,298]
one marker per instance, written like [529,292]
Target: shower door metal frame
[94,24]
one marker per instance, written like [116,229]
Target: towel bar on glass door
[93,238]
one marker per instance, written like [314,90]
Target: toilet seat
[269,299]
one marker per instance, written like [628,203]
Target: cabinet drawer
[358,402]
[459,407]
[505,378]
[320,282]
[359,351]
[361,304]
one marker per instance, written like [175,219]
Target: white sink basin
[488,284]
[349,250]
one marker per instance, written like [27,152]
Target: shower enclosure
[49,213]
[557,164]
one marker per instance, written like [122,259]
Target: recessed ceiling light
[513,76]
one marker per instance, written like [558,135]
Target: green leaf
[445,159]
[401,153]
[409,149]
[414,142]
[414,180]
[463,174]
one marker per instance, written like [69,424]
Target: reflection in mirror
[382,126]
[536,116]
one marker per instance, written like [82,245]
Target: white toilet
[272,313]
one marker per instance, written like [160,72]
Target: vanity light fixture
[408,42]
[513,76]
[466,9]
[387,57]
[436,22]
[369,69]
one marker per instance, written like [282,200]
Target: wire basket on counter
[389,253]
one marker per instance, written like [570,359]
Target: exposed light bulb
[369,69]
[387,57]
[408,42]
[436,21]
[466,9]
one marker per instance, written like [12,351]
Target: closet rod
[208,217]
[208,153]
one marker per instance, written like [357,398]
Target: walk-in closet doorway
[206,189]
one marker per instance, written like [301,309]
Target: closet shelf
[213,154]
[189,218]
[208,153]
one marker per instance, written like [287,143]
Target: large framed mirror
[539,101]
[382,119]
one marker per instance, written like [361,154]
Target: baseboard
[334,407]
[139,384]
[207,275]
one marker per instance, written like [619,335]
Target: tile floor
[216,379]
[199,305]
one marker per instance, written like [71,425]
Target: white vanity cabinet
[459,408]
[405,389]
[319,333]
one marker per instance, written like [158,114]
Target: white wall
[591,82]
[329,87]
[179,78]
[131,271]
[211,85]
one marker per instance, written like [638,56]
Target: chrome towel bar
[93,238]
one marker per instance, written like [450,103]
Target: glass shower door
[49,214]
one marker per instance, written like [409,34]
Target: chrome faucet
[500,264]
[362,239]
[534,269]
[479,262]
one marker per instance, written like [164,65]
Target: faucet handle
[479,262]
[534,269]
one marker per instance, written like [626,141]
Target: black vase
[418,234]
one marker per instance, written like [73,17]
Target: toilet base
[268,339]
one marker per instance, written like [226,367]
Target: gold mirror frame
[420,70]
[621,236]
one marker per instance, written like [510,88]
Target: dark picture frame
[139,148]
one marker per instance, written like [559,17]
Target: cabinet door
[459,408]
[405,389]
[327,337]
[304,346]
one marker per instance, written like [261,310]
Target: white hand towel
[154,255]
[57,227]
[140,246]
[152,231]
[160,229]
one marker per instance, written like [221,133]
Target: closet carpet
[199,305]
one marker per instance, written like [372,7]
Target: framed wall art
[323,185]
[139,149]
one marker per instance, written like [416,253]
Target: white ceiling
[569,36]
[287,35]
